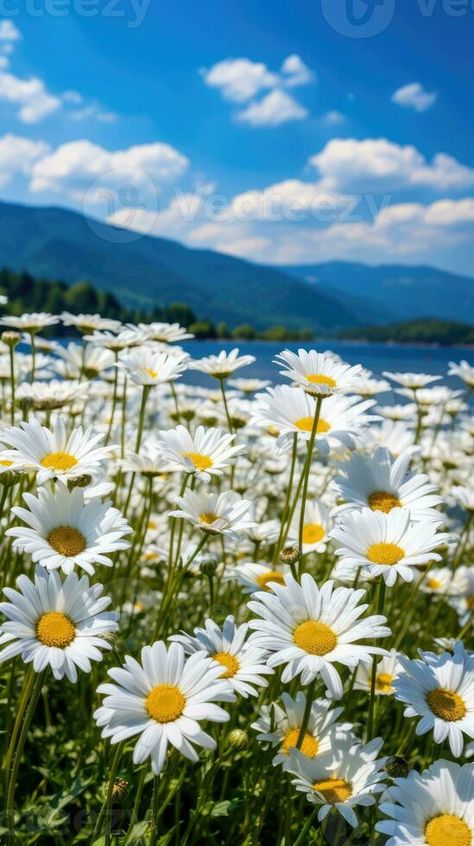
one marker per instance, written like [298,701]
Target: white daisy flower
[253,576]
[62,624]
[125,339]
[464,370]
[216,514]
[463,593]
[388,669]
[464,496]
[387,545]
[319,374]
[242,665]
[48,396]
[281,725]
[316,526]
[165,333]
[223,365]
[146,367]
[63,531]
[380,482]
[90,322]
[351,778]
[411,380]
[163,699]
[432,808]
[205,453]
[439,582]
[55,454]
[77,360]
[33,322]
[440,689]
[310,629]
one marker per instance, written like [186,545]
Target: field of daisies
[231,614]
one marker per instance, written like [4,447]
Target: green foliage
[426,331]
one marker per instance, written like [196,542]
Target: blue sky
[281,132]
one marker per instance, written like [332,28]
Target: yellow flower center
[383,682]
[201,462]
[270,576]
[6,463]
[66,540]
[208,517]
[383,501]
[385,553]
[334,790]
[153,374]
[434,584]
[448,830]
[320,379]
[229,662]
[55,629]
[315,637]
[309,746]
[446,704]
[305,424]
[313,533]
[59,461]
[165,703]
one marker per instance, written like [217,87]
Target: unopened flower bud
[79,482]
[397,767]
[289,556]
[208,567]
[11,339]
[238,739]
[9,478]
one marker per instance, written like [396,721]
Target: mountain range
[143,270]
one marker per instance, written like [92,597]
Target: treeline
[26,294]
[423,331]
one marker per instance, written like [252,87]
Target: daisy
[242,665]
[31,323]
[315,527]
[382,483]
[281,725]
[464,496]
[90,322]
[49,396]
[249,386]
[215,513]
[387,545]
[414,381]
[62,624]
[439,582]
[310,629]
[440,690]
[55,454]
[432,808]
[253,576]
[125,339]
[62,531]
[351,778]
[163,699]
[464,370]
[78,360]
[223,365]
[146,367]
[166,333]
[463,589]
[319,374]
[388,669]
[205,453]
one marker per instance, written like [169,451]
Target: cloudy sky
[282,132]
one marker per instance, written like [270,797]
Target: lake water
[376,357]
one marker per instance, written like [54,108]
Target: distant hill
[443,332]
[54,243]
[387,293]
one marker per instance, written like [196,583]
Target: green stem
[307,713]
[370,719]
[229,421]
[12,383]
[307,470]
[141,419]
[105,810]
[301,839]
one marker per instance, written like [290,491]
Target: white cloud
[296,72]
[93,112]
[75,167]
[17,156]
[414,96]
[333,118]
[31,97]
[275,108]
[239,79]
[8,31]
[347,164]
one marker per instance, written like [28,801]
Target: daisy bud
[11,339]
[397,767]
[119,788]
[238,739]
[79,482]
[9,478]
[208,567]
[289,556]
